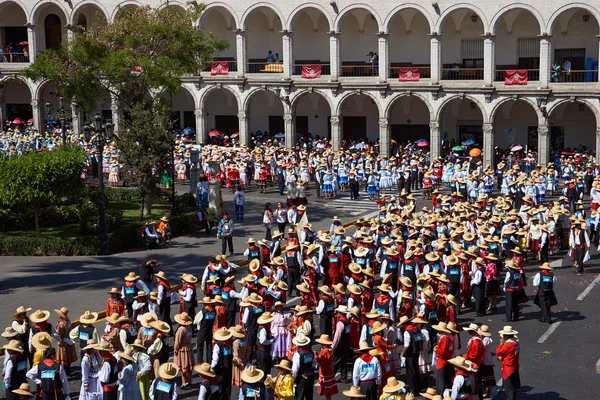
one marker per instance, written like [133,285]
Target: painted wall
[314,104]
[451,38]
[219,102]
[524,26]
[517,115]
[17,92]
[458,110]
[263,105]
[264,35]
[363,106]
[579,126]
[310,42]
[356,44]
[222,26]
[412,46]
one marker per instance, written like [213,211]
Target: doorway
[53,31]
[354,128]
[228,124]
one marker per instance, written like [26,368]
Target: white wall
[455,111]
[524,26]
[362,106]
[451,38]
[579,35]
[93,16]
[579,126]
[12,15]
[520,117]
[219,102]
[413,46]
[355,44]
[314,104]
[222,25]
[311,44]
[262,38]
[409,107]
[263,104]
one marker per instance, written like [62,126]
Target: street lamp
[87,131]
[48,109]
[102,135]
[173,206]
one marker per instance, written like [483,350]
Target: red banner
[219,68]
[311,71]
[409,74]
[516,77]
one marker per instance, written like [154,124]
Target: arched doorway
[13,32]
[220,112]
[17,101]
[409,119]
[572,127]
[52,31]
[182,113]
[220,22]
[515,123]
[89,16]
[358,41]
[265,113]
[264,26]
[360,118]
[461,119]
[409,42]
[313,116]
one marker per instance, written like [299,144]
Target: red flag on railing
[409,74]
[516,77]
[219,68]
[311,71]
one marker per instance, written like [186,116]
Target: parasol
[18,121]
[188,131]
[51,122]
[422,144]
[475,152]
[280,135]
[237,134]
[30,121]
[469,142]
[24,43]
[214,133]
[516,148]
[457,148]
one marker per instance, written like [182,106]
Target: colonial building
[497,72]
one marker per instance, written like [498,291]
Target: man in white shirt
[367,372]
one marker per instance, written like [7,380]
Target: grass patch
[59,232]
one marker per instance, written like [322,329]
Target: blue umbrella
[469,142]
[420,141]
[52,122]
[280,135]
[188,131]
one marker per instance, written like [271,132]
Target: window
[471,53]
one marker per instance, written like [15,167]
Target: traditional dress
[90,366]
[66,353]
[280,334]
[184,349]
[128,385]
[241,358]
[326,383]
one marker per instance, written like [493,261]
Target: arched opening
[360,118]
[89,16]
[575,47]
[265,44]
[182,113]
[461,120]
[313,116]
[220,22]
[52,31]
[359,43]
[462,46]
[515,123]
[311,26]
[17,98]
[52,104]
[103,106]
[409,42]
[265,114]
[518,44]
[572,128]
[13,33]
[221,112]
[409,120]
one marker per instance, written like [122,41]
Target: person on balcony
[270,57]
[567,69]
[556,69]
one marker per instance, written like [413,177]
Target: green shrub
[31,246]
[123,195]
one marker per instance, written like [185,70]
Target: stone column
[38,119]
[2,107]
[597,141]
[384,58]
[201,133]
[244,129]
[334,56]
[435,140]
[598,36]
[488,145]
[436,58]
[288,55]
[76,119]
[241,52]
[384,137]
[32,40]
[290,130]
[336,132]
[489,60]
[544,144]
[545,60]
[194,170]
[116,113]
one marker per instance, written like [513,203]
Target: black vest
[410,269]
[85,333]
[481,284]
[163,354]
[253,391]
[454,274]
[306,364]
[230,302]
[254,314]
[210,395]
[546,281]
[326,316]
[291,260]
[344,343]
[130,293]
[416,344]
[163,390]
[208,321]
[513,279]
[253,253]
[50,377]
[19,369]
[114,371]
[225,357]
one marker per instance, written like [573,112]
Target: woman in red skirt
[326,384]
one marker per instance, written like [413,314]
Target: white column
[597,140]
[241,53]
[38,119]
[288,56]
[116,113]
[334,56]
[76,118]
[545,60]
[488,145]
[489,60]
[384,58]
[336,132]
[244,129]
[201,133]
[384,137]
[436,58]
[598,36]
[544,144]
[290,130]
[32,40]
[435,140]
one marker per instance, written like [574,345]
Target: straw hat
[363,346]
[508,330]
[205,369]
[91,344]
[237,332]
[147,319]
[39,316]
[183,319]
[265,318]
[252,374]
[393,385]
[253,298]
[103,346]
[13,345]
[168,371]
[354,391]
[161,275]
[189,278]
[428,291]
[461,363]
[303,287]
[116,319]
[206,300]
[284,364]
[450,299]
[484,330]
[41,341]
[354,268]
[21,310]
[131,277]
[324,339]
[429,393]
[62,312]
[304,310]
[452,327]
[452,260]
[88,318]
[378,327]
[9,332]
[354,289]
[361,252]
[546,266]
[325,290]
[138,343]
[471,328]
[301,340]
[127,354]
[441,327]
[340,288]
[114,291]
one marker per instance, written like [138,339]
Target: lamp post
[173,206]
[87,131]
[102,134]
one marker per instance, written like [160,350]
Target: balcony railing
[462,74]
[207,65]
[14,58]
[359,70]
[264,67]
[425,71]
[574,76]
[325,69]
[532,74]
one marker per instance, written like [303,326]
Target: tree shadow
[524,394]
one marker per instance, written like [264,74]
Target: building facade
[497,72]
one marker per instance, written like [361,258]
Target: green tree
[39,179]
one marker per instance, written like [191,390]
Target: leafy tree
[39,179]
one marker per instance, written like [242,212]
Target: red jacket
[444,351]
[475,351]
[508,354]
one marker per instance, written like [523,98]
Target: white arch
[348,9]
[588,103]
[346,96]
[529,101]
[30,85]
[39,89]
[299,95]
[407,6]
[394,100]
[33,18]
[247,101]
[95,3]
[304,7]
[516,6]
[18,3]
[571,6]
[441,108]
[173,3]
[255,6]
[470,7]
[205,94]
[227,7]
[122,5]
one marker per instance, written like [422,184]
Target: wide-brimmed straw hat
[303,287]
[131,277]
[138,344]
[205,369]
[546,266]
[253,298]
[127,354]
[451,299]
[301,340]
[471,328]
[62,312]
[252,374]
[168,371]
[324,339]
[266,318]
[39,316]
[9,332]
[284,364]
[24,390]
[116,319]
[430,393]
[237,332]
[91,344]
[363,346]
[114,291]
[393,385]
[41,341]
[183,319]
[189,278]
[88,318]
[484,330]
[463,364]
[441,327]
[508,330]
[378,327]
[161,275]
[354,268]
[354,391]
[354,289]
[13,345]
[21,310]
